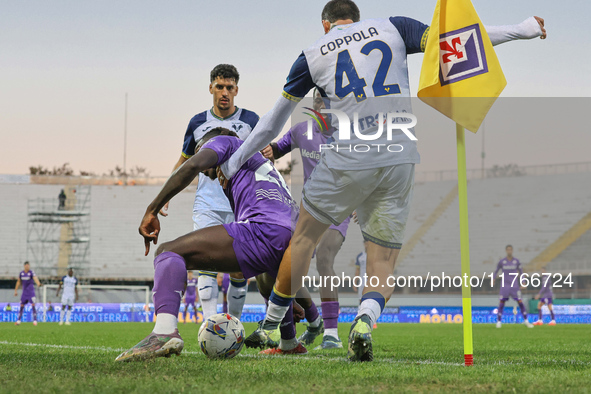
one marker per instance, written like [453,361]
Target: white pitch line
[310,357]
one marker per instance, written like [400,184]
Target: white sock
[165,324]
[210,307]
[275,313]
[288,344]
[68,314]
[236,300]
[333,332]
[208,295]
[370,308]
[62,314]
[316,322]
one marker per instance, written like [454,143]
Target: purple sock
[551,314]
[540,315]
[170,277]
[225,307]
[523,311]
[287,326]
[20,312]
[500,312]
[34,313]
[330,313]
[311,313]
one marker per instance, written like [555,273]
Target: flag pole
[464,246]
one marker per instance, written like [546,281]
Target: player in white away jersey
[361,67]
[211,206]
[69,296]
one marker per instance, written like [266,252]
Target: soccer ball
[221,336]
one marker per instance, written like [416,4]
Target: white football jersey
[362,69]
[69,285]
[210,195]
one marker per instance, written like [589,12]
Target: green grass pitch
[409,358]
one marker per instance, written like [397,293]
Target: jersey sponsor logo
[314,155]
[461,55]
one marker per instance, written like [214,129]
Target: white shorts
[68,300]
[206,219]
[381,197]
[211,218]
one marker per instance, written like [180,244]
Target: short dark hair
[225,71]
[336,10]
[214,133]
[508,246]
[26,262]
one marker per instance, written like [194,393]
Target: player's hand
[354,216]
[221,177]
[149,229]
[541,23]
[220,279]
[164,210]
[267,152]
[15,293]
[298,312]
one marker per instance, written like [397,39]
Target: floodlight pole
[125,143]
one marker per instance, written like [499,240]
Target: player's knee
[163,247]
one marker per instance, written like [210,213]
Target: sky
[65,67]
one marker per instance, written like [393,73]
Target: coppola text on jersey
[381,132]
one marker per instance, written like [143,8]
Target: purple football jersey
[28,283]
[191,286]
[510,272]
[257,192]
[297,137]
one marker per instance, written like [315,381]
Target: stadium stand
[532,212]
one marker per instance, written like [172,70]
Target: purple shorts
[546,300]
[510,292]
[26,298]
[225,283]
[342,228]
[259,247]
[190,300]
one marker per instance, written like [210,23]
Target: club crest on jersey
[237,127]
[461,55]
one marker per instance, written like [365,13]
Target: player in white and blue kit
[361,67]
[70,295]
[211,207]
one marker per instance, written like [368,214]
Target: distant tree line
[66,170]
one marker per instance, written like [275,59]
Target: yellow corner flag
[460,62]
[461,78]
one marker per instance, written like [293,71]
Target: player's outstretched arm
[177,182]
[265,131]
[530,28]
[39,284]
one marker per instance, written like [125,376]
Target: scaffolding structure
[58,233]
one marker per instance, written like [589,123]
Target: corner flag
[461,77]
[460,63]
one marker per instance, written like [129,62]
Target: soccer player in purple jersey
[545,296]
[191,296]
[211,207]
[510,273]
[28,279]
[253,244]
[333,238]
